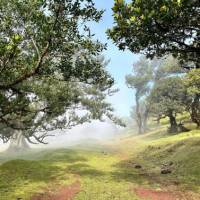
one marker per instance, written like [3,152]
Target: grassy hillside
[114,170]
[156,149]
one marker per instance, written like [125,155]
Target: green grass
[106,171]
[97,171]
[23,178]
[155,149]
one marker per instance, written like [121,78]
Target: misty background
[88,133]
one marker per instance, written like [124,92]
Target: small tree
[141,117]
[168,98]
[139,81]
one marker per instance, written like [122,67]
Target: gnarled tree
[51,75]
[168,98]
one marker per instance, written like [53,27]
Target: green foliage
[192,82]
[50,67]
[168,95]
[142,74]
[147,74]
[157,28]
[166,67]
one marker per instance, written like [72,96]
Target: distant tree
[158,28]
[139,81]
[163,68]
[192,82]
[51,73]
[146,74]
[144,111]
[168,98]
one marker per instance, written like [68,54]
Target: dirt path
[63,193]
[164,195]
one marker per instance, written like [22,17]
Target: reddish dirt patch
[157,195]
[63,193]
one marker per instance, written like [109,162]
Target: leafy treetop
[51,71]
[157,28]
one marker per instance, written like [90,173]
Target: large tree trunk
[173,124]
[195,110]
[18,142]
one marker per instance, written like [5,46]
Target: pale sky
[121,62]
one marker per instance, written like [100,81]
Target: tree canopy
[168,98]
[157,28]
[192,83]
[51,71]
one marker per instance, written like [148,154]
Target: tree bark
[173,124]
[18,142]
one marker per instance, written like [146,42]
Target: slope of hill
[128,168]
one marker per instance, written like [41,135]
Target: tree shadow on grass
[67,155]
[130,170]
[83,169]
[17,174]
[44,168]
[126,171]
[157,134]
